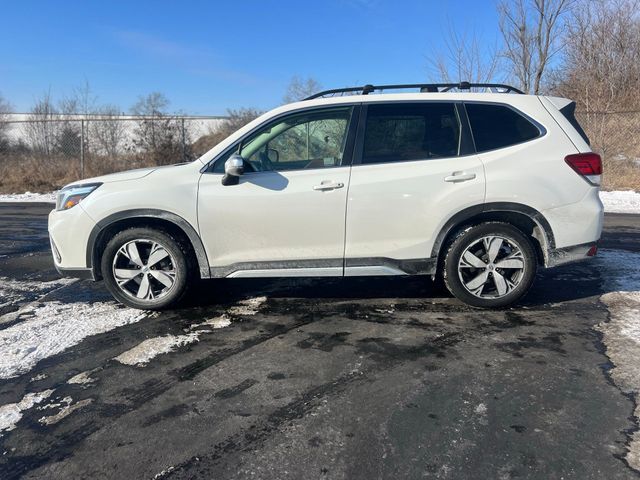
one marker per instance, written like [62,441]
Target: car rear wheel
[490,265]
[146,268]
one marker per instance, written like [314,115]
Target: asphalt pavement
[359,378]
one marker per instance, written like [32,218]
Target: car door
[414,167]
[286,216]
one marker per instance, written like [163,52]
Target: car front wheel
[146,268]
[490,265]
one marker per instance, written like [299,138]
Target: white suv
[481,188]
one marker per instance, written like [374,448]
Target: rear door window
[397,132]
[498,126]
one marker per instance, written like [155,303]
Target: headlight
[71,196]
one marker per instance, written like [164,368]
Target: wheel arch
[527,219]
[106,228]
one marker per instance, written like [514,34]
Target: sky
[208,56]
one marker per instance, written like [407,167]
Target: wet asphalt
[331,379]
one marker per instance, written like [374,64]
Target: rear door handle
[327,185]
[459,177]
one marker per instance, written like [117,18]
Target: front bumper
[69,232]
[83,273]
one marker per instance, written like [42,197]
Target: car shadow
[211,292]
[561,284]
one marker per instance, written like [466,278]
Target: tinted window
[498,126]
[314,139]
[398,132]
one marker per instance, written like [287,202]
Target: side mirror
[233,168]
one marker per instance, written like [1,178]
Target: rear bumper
[577,224]
[576,253]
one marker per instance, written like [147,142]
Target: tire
[490,265]
[134,281]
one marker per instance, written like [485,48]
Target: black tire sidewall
[472,234]
[175,249]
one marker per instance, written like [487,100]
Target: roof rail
[424,87]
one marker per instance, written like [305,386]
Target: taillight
[588,165]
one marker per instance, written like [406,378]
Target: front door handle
[327,185]
[459,177]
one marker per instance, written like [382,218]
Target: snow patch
[29,197]
[164,472]
[481,409]
[83,378]
[14,291]
[621,334]
[250,306]
[621,201]
[11,413]
[144,352]
[65,411]
[54,327]
[217,322]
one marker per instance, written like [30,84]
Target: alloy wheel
[491,267]
[144,269]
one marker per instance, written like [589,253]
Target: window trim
[466,145]
[542,131]
[348,148]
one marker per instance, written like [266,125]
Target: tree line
[586,50]
[52,128]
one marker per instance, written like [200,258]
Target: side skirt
[350,267]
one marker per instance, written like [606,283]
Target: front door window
[309,140]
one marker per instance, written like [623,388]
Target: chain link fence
[616,137]
[42,154]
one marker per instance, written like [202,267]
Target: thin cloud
[191,59]
[159,47]
[362,4]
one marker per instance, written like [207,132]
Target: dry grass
[621,175]
[616,136]
[21,173]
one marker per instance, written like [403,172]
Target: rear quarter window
[498,126]
[569,113]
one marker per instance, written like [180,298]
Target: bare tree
[465,58]
[5,110]
[236,119]
[530,30]
[68,133]
[108,131]
[85,99]
[40,131]
[154,104]
[82,101]
[601,72]
[158,134]
[300,88]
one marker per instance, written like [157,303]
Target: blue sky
[210,56]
